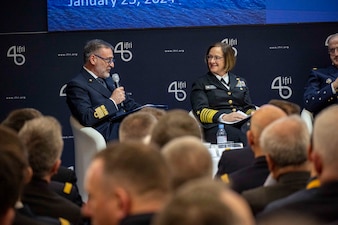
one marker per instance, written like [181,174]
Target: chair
[307,116]
[87,141]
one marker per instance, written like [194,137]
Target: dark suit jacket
[251,176]
[139,219]
[45,202]
[318,93]
[89,103]
[321,203]
[286,184]
[24,216]
[234,160]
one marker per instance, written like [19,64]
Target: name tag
[210,87]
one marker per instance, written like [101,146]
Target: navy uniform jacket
[210,98]
[320,203]
[287,184]
[89,103]
[45,202]
[318,92]
[251,176]
[234,160]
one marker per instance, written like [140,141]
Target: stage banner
[158,66]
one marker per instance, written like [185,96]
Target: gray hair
[92,46]
[43,139]
[286,141]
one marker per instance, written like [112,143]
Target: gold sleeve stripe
[64,221]
[225,178]
[207,115]
[100,112]
[67,188]
[313,184]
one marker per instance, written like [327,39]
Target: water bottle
[221,136]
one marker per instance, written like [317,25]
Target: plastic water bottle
[221,136]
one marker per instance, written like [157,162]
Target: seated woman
[221,97]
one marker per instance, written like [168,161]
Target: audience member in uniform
[323,202]
[137,126]
[205,202]
[43,138]
[188,159]
[175,123]
[127,183]
[10,142]
[64,182]
[219,95]
[232,161]
[322,85]
[255,174]
[285,143]
[12,165]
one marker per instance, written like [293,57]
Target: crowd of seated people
[165,174]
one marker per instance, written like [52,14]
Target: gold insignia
[67,188]
[64,221]
[207,115]
[100,112]
[225,178]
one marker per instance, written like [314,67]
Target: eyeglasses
[107,60]
[216,58]
[332,51]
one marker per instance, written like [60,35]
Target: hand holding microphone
[118,94]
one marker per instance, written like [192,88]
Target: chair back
[307,116]
[87,141]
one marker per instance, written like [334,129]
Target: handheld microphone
[116,79]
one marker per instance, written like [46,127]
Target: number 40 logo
[280,84]
[15,52]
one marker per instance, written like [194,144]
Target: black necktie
[99,79]
[223,81]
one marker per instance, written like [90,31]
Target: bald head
[325,140]
[188,159]
[264,116]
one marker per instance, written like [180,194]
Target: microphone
[116,79]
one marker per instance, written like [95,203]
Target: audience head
[224,54]
[43,139]
[175,123]
[13,165]
[286,142]
[17,118]
[137,126]
[205,202]
[325,142]
[158,113]
[288,107]
[264,116]
[332,44]
[125,179]
[188,159]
